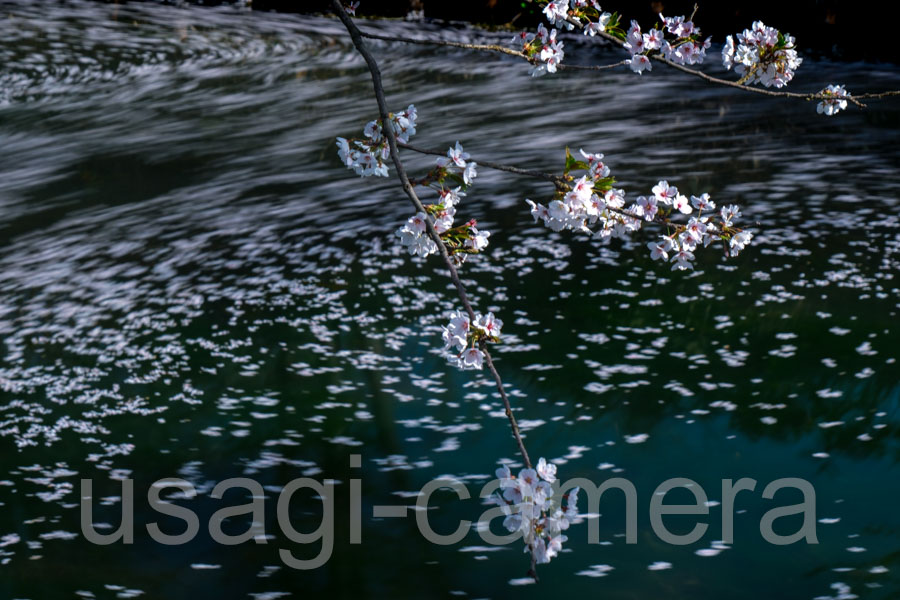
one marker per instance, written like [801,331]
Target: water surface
[192,286]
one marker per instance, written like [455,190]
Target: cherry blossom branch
[809,96]
[855,98]
[558,180]
[527,500]
[749,88]
[488,48]
[735,84]
[563,183]
[357,37]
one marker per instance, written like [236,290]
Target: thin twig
[485,47]
[492,165]
[566,67]
[694,14]
[356,36]
[488,48]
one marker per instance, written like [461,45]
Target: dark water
[192,286]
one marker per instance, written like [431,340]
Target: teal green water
[192,286]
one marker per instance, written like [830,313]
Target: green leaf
[613,27]
[453,177]
[570,162]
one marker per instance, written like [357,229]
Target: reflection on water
[191,286]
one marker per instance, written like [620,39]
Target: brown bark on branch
[387,127]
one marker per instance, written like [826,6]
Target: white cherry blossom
[554,546]
[729,213]
[681,204]
[469,173]
[490,324]
[546,470]
[528,478]
[640,63]
[703,202]
[455,156]
[682,260]
[538,211]
[531,506]
[456,332]
[556,10]
[648,206]
[763,55]
[479,239]
[367,156]
[592,28]
[514,522]
[471,358]
[835,101]
[653,39]
[416,243]
[665,193]
[660,250]
[739,241]
[538,549]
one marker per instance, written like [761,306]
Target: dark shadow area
[840,29]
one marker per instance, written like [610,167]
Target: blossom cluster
[835,100]
[457,162]
[461,240]
[414,236]
[463,337]
[532,508]
[678,40]
[683,239]
[592,200]
[367,155]
[763,55]
[545,51]
[569,13]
